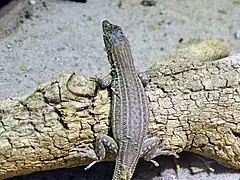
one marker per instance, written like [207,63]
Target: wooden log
[194,106]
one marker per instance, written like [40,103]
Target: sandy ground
[64,36]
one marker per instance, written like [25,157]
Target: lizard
[129,110]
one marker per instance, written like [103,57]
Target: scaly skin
[130,114]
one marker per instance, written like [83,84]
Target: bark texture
[194,103]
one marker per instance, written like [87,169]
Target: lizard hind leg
[103,141]
[151,149]
[98,154]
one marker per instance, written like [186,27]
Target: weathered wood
[194,102]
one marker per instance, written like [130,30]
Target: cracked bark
[194,106]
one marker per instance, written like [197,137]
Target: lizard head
[112,35]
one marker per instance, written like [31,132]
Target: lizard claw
[155,163]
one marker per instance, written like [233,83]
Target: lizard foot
[84,153]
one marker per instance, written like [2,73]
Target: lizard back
[130,114]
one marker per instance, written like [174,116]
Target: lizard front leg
[144,77]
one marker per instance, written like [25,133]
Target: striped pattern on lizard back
[130,114]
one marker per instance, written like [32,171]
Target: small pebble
[237,34]
[32,2]
[162,13]
[148,3]
[180,40]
